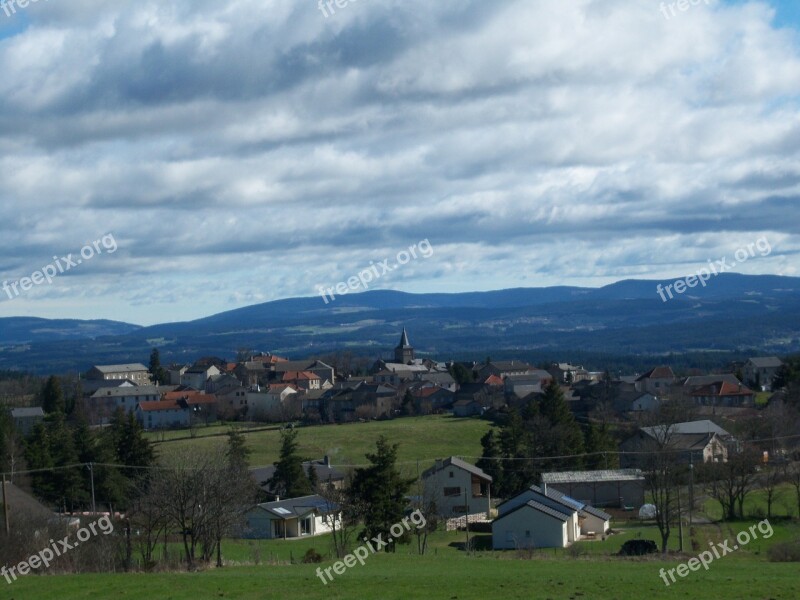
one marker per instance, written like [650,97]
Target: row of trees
[545,428]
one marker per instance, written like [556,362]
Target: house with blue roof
[542,517]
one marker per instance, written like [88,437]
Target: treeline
[545,428]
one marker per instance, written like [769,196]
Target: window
[460,509]
[527,533]
[452,491]
[305,526]
[452,474]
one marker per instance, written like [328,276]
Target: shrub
[638,548]
[312,556]
[784,552]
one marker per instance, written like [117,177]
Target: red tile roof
[298,375]
[723,388]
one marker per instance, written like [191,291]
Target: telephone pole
[5,507]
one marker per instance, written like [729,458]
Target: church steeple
[404,353]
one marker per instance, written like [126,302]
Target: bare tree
[772,478]
[730,482]
[204,497]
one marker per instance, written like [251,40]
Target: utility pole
[5,507]
[90,466]
[466,519]
[691,490]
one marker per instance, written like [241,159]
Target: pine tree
[488,461]
[157,372]
[53,396]
[313,478]
[289,479]
[238,453]
[382,489]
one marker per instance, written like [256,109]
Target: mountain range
[733,314]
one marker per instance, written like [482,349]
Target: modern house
[163,415]
[294,518]
[617,487]
[542,517]
[457,488]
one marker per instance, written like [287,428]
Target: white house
[458,488]
[529,520]
[293,518]
[530,525]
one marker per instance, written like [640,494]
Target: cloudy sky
[244,151]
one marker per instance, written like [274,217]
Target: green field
[445,573]
[420,438]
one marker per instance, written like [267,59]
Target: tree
[382,489]
[793,475]
[461,374]
[53,396]
[289,479]
[157,372]
[730,482]
[771,479]
[407,406]
[313,478]
[490,461]
[599,440]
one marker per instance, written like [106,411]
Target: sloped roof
[765,362]
[124,391]
[596,512]
[297,507]
[550,512]
[126,368]
[457,462]
[593,476]
[689,427]
[723,389]
[658,373]
[27,413]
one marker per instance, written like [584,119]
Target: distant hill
[734,313]
[24,330]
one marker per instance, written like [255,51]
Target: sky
[205,156]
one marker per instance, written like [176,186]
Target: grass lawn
[420,438]
[437,576]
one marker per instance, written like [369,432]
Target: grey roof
[457,462]
[511,365]
[120,392]
[766,361]
[127,368]
[701,380]
[597,512]
[593,476]
[691,427]
[324,473]
[559,497]
[297,507]
[21,502]
[563,517]
[27,413]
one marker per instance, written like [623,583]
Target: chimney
[544,488]
[326,460]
